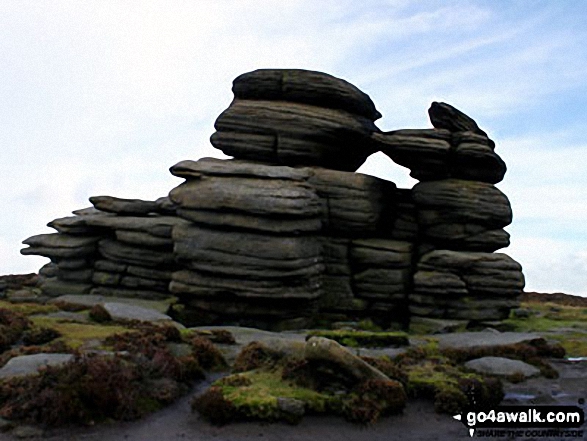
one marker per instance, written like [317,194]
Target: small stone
[122,311]
[502,366]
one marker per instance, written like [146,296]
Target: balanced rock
[445,116]
[305,87]
[301,118]
[434,154]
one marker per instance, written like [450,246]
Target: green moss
[256,396]
[76,335]
[368,325]
[28,308]
[367,339]
[434,375]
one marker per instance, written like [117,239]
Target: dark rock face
[286,233]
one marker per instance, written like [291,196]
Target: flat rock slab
[90,300]
[502,366]
[483,339]
[293,342]
[29,364]
[123,311]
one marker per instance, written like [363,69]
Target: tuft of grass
[28,309]
[574,343]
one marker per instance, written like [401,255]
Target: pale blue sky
[103,97]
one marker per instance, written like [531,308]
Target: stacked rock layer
[286,234]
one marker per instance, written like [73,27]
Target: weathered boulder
[306,87]
[320,349]
[124,311]
[30,364]
[302,118]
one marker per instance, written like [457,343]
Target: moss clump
[434,375]
[373,399]
[389,368]
[366,339]
[255,355]
[214,407]
[258,397]
[76,335]
[207,354]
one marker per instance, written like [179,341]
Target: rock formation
[286,234]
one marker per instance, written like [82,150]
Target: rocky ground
[559,320]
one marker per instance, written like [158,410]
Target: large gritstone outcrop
[286,234]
